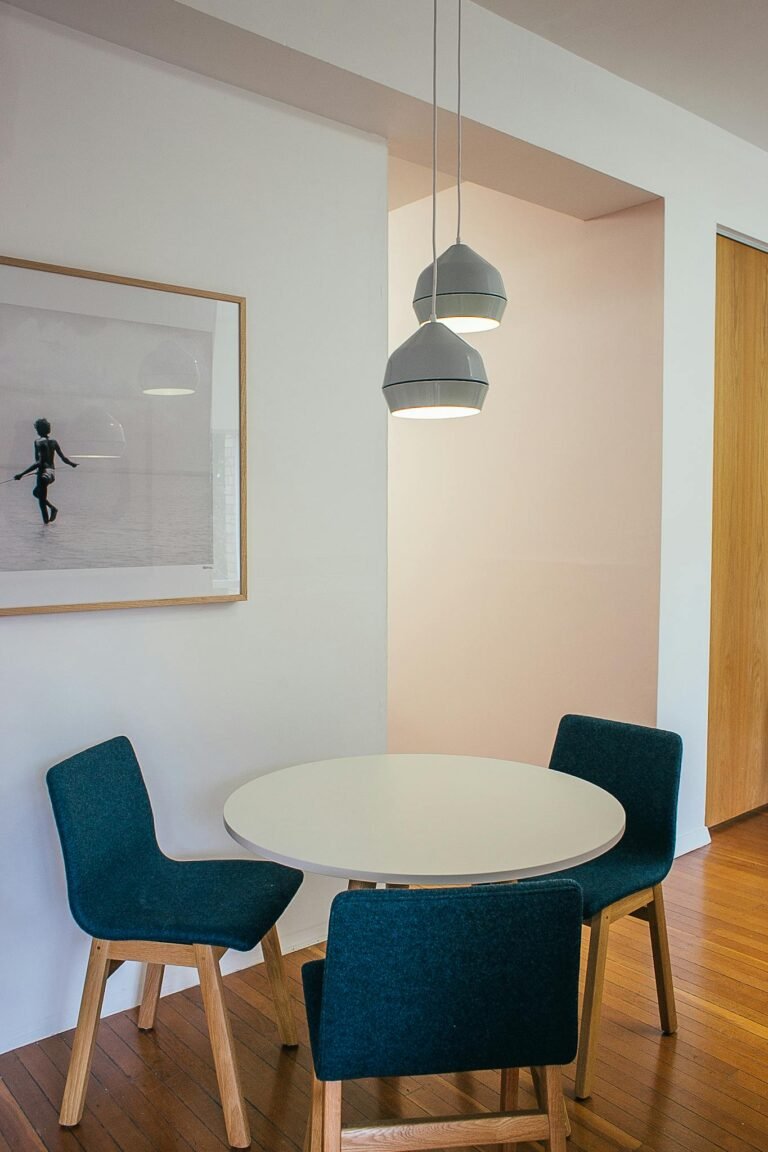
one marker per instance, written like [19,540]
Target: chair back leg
[510,1084]
[332,1116]
[551,1081]
[273,957]
[662,965]
[592,1004]
[153,982]
[85,1034]
[314,1138]
[222,1044]
[325,1134]
[538,1088]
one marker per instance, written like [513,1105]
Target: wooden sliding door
[737,770]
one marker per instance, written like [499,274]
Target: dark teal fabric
[641,768]
[446,980]
[122,887]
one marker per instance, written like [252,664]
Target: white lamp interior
[460,324]
[436,412]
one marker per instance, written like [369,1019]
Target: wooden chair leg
[510,1083]
[314,1138]
[332,1116]
[278,984]
[85,1034]
[662,965]
[538,1088]
[222,1044]
[153,982]
[554,1102]
[599,926]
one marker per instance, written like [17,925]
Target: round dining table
[403,819]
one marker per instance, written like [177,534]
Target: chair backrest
[639,766]
[447,980]
[103,815]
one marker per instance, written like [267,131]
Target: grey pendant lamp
[471,297]
[435,374]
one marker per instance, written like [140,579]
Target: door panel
[737,770]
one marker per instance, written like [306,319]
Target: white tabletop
[422,819]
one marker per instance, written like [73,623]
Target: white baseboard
[692,839]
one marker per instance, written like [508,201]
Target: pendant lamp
[169,370]
[471,297]
[93,433]
[435,374]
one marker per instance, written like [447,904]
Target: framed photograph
[122,442]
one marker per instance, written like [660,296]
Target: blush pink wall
[524,542]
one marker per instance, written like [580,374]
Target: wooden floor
[704,1090]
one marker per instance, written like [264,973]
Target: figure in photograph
[46,451]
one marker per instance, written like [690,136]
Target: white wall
[529,88]
[524,543]
[117,163]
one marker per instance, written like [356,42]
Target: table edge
[408,878]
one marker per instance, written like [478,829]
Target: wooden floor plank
[17,1132]
[39,1111]
[169,1105]
[703,1090]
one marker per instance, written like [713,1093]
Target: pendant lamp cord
[458,131]
[433,316]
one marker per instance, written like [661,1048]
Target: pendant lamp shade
[169,370]
[435,374]
[93,433]
[470,291]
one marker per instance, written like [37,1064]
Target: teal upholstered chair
[446,980]
[138,904]
[641,768]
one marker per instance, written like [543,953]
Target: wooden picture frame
[148,382]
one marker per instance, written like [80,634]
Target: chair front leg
[222,1045]
[85,1034]
[332,1116]
[599,926]
[153,982]
[662,965]
[273,957]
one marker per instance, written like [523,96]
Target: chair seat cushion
[618,873]
[225,903]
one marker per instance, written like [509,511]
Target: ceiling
[708,56]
